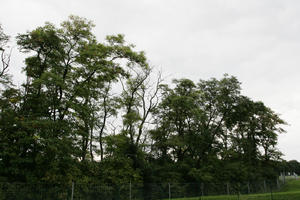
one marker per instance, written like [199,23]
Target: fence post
[248,185]
[271,191]
[200,193]
[239,190]
[228,192]
[72,194]
[130,190]
[265,186]
[169,190]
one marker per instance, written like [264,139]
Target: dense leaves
[96,112]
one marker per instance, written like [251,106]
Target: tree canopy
[97,112]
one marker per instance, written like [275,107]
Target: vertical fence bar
[72,193]
[239,190]
[169,191]
[248,185]
[271,190]
[228,192]
[130,190]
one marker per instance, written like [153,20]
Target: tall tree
[5,58]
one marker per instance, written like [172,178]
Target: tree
[138,100]
[293,167]
[209,125]
[67,99]
[5,57]
[94,112]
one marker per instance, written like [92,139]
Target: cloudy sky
[258,41]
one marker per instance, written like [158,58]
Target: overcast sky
[258,41]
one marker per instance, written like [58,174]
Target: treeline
[94,112]
[291,168]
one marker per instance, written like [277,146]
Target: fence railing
[133,191]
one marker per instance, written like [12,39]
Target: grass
[291,186]
[290,191]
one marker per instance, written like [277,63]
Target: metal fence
[133,191]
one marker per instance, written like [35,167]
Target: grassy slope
[291,191]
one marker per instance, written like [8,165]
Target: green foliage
[92,112]
[215,130]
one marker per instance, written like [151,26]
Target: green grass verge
[291,186]
[291,191]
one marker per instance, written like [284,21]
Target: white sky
[258,41]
